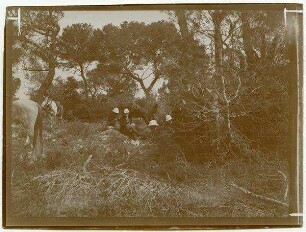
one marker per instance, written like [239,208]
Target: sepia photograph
[153,115]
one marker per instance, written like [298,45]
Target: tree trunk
[246,38]
[221,102]
[218,42]
[84,80]
[157,76]
[46,84]
[218,65]
[182,21]
[147,93]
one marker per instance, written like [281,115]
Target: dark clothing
[166,133]
[137,111]
[114,120]
[126,127]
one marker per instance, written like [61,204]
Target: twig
[258,196]
[286,191]
[237,90]
[86,163]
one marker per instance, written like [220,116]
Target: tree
[138,51]
[212,94]
[183,25]
[77,49]
[14,52]
[40,30]
[104,81]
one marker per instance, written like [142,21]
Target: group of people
[123,122]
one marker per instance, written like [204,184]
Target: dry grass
[108,191]
[91,171]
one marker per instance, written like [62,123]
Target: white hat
[153,123]
[116,110]
[168,118]
[126,111]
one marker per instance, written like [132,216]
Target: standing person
[113,119]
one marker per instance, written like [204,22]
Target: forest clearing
[185,113]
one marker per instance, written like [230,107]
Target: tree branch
[237,90]
[258,196]
[136,78]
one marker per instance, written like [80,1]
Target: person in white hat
[126,126]
[125,120]
[153,123]
[116,110]
[168,119]
[113,119]
[154,130]
[169,127]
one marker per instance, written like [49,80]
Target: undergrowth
[89,170]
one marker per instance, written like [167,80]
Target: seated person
[154,127]
[113,119]
[126,127]
[168,120]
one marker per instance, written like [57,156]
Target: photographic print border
[295,170]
